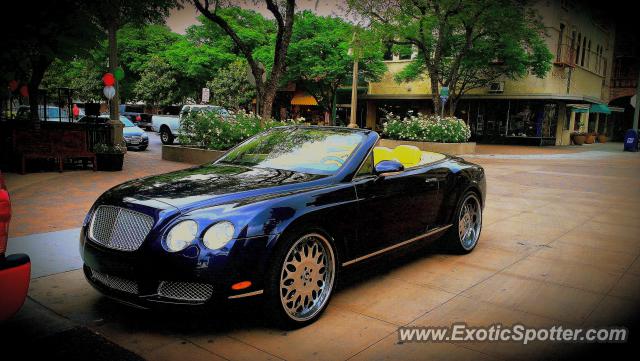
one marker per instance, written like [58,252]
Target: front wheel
[165,136]
[301,279]
[463,236]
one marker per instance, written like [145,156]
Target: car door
[395,208]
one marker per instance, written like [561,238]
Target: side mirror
[388,167]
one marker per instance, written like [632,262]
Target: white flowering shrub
[426,128]
[211,130]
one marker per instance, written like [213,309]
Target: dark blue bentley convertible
[280,215]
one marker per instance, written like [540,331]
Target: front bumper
[151,277]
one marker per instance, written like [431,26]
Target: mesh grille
[116,283]
[185,291]
[119,228]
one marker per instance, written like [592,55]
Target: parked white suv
[169,125]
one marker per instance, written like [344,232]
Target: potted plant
[110,157]
[578,138]
[590,138]
[602,138]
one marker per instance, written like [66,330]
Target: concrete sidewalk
[559,247]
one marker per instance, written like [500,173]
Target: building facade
[529,110]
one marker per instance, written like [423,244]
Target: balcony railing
[624,82]
[568,56]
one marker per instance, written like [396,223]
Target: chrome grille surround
[185,291]
[119,228]
[116,283]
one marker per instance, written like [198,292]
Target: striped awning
[302,98]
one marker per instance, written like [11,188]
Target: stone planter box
[178,153]
[448,148]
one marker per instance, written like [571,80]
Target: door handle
[433,181]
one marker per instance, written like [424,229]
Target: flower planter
[602,138]
[448,148]
[578,139]
[178,153]
[109,162]
[590,139]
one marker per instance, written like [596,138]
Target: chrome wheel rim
[165,136]
[306,280]
[470,222]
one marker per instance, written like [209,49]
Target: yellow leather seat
[408,155]
[382,153]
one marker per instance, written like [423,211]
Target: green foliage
[461,44]
[318,56]
[80,74]
[427,128]
[157,84]
[211,130]
[230,88]
[103,148]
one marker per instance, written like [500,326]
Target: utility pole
[354,84]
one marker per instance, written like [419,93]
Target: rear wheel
[301,279]
[165,136]
[464,234]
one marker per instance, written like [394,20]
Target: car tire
[165,136]
[462,237]
[301,278]
[142,148]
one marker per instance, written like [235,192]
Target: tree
[82,74]
[52,30]
[111,15]
[461,44]
[157,85]
[284,18]
[230,87]
[319,57]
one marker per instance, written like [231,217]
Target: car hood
[210,185]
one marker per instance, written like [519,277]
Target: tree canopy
[461,44]
[319,58]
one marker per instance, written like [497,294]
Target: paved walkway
[559,247]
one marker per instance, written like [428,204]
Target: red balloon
[13,85]
[24,91]
[75,110]
[108,79]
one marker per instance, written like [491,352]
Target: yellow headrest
[382,153]
[408,155]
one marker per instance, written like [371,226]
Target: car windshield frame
[342,145]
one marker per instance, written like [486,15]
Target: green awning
[600,108]
[579,108]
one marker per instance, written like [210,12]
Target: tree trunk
[435,95]
[114,104]
[39,66]
[114,109]
[266,105]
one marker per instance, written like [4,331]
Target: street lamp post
[354,96]
[354,84]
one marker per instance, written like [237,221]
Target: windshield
[126,122]
[306,150]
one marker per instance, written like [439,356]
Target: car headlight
[181,235]
[144,135]
[218,235]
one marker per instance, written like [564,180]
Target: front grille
[119,228]
[185,291]
[116,283]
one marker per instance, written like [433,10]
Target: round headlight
[181,235]
[218,235]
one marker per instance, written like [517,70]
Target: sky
[179,20]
